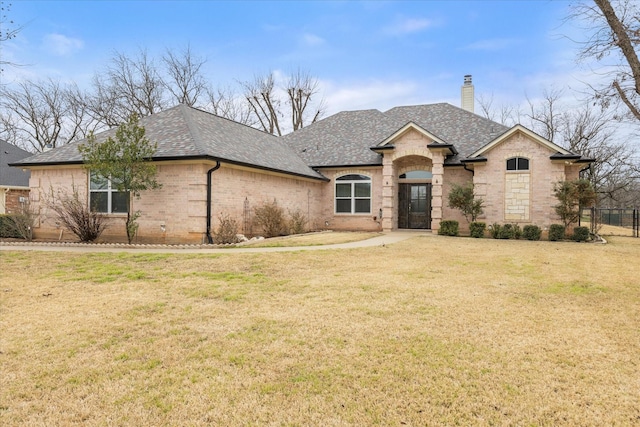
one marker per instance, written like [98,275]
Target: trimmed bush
[476,229]
[7,227]
[581,234]
[448,228]
[506,231]
[531,232]
[556,232]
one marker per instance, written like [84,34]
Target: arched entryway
[414,199]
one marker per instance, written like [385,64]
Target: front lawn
[429,331]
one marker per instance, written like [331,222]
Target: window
[518,164]
[104,198]
[419,174]
[353,194]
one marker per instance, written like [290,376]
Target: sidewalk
[385,239]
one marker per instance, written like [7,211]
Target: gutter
[209,173]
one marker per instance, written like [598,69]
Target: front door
[414,207]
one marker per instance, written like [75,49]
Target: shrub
[297,222]
[448,228]
[581,234]
[75,215]
[461,197]
[270,217]
[227,231]
[556,232]
[476,229]
[506,231]
[531,232]
[7,227]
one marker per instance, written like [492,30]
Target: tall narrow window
[104,197]
[518,164]
[353,194]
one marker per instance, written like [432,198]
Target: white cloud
[61,45]
[312,40]
[407,26]
[378,94]
[493,44]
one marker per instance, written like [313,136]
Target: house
[14,182]
[355,170]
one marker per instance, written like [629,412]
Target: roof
[346,138]
[12,176]
[183,132]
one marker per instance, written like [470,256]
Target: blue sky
[375,54]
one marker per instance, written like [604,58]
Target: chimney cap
[467,79]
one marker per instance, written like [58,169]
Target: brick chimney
[467,96]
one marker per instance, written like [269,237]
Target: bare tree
[127,86]
[301,89]
[266,101]
[505,114]
[263,102]
[615,34]
[544,117]
[37,115]
[224,102]
[184,79]
[8,31]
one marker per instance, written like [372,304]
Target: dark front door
[414,208]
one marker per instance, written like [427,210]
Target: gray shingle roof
[12,176]
[185,132]
[346,138]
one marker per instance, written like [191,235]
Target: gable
[519,129]
[410,131]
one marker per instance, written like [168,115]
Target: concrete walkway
[382,240]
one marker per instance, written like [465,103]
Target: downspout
[209,172]
[473,172]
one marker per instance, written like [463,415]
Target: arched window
[416,175]
[518,164]
[353,194]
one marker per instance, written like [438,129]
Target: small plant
[448,228]
[7,228]
[506,231]
[75,215]
[556,232]
[531,232]
[476,229]
[572,197]
[270,217]
[227,232]
[580,234]
[297,222]
[461,197]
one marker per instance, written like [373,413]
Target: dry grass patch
[430,331]
[313,239]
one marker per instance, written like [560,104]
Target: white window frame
[109,190]
[352,197]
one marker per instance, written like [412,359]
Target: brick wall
[176,213]
[523,197]
[12,200]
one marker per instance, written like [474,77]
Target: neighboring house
[355,170]
[14,182]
